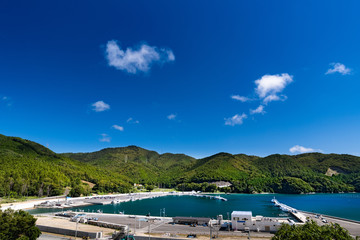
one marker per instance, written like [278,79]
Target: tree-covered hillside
[275,173]
[141,165]
[30,169]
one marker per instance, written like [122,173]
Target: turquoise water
[346,205]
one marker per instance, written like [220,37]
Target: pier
[294,212]
[211,197]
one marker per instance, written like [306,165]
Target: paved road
[352,227]
[165,226]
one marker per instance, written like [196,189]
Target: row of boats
[134,197]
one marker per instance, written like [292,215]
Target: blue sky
[194,77]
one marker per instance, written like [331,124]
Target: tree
[18,225]
[149,187]
[76,191]
[312,231]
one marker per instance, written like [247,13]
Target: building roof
[242,213]
[192,218]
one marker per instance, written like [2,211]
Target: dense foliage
[29,169]
[312,231]
[18,225]
[302,173]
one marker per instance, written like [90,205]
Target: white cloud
[131,120]
[136,60]
[117,127]
[105,138]
[271,98]
[235,120]
[6,101]
[338,67]
[268,86]
[100,106]
[171,56]
[240,98]
[171,116]
[301,149]
[259,109]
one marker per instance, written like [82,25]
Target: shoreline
[353,226]
[79,201]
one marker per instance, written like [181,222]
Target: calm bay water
[346,205]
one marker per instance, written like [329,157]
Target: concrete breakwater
[66,202]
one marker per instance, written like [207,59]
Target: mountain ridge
[28,168]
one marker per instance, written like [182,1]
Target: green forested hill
[141,165]
[30,169]
[274,173]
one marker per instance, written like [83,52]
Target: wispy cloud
[301,149]
[135,60]
[131,120]
[259,109]
[240,98]
[171,116]
[269,86]
[117,127]
[6,101]
[235,120]
[105,138]
[100,106]
[338,68]
[268,89]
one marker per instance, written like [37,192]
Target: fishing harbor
[139,215]
[117,199]
[104,225]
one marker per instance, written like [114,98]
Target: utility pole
[228,225]
[77,221]
[127,233]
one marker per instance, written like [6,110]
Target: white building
[244,221]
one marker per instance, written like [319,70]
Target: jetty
[115,199]
[211,197]
[294,212]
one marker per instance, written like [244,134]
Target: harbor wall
[69,232]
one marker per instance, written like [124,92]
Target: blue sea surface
[345,205]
